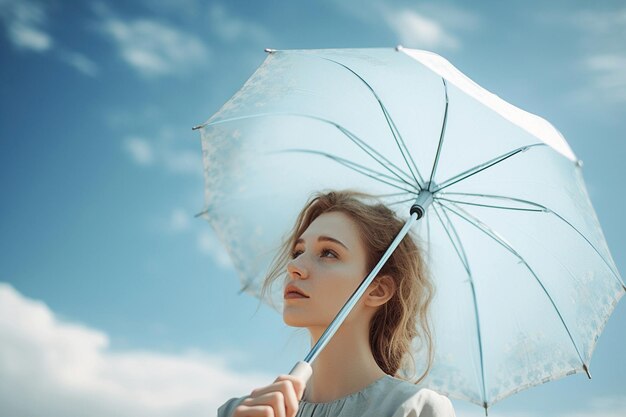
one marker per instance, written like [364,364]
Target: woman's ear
[380,291]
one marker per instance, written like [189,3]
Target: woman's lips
[294,295]
[292,291]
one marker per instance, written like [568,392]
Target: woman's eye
[295,254]
[327,252]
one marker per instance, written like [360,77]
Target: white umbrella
[525,281]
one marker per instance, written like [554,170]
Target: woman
[337,240]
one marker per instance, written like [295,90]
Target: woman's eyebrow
[325,238]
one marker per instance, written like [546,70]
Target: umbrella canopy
[525,281]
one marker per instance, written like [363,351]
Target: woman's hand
[279,399]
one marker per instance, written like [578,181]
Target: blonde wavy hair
[405,317]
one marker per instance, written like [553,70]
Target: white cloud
[416,30]
[151,47]
[140,150]
[182,161]
[232,28]
[602,23]
[209,245]
[24,21]
[609,75]
[451,16]
[179,220]
[429,25]
[80,62]
[605,61]
[51,367]
[28,37]
[165,153]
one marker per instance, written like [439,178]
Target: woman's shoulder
[412,401]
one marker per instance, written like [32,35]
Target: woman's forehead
[336,225]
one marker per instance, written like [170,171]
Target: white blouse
[385,397]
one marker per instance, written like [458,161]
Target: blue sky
[115,298]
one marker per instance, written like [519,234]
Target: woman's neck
[345,366]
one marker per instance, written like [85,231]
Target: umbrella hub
[424,199]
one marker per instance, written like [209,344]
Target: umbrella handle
[302,370]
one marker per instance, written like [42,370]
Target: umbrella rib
[358,168]
[387,164]
[367,149]
[394,130]
[481,167]
[546,210]
[428,236]
[441,135]
[389,195]
[461,254]
[474,221]
[403,144]
[401,202]
[487,205]
[463,258]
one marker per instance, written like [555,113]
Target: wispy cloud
[182,161]
[416,30]
[151,47]
[603,34]
[56,368]
[163,152]
[180,220]
[25,22]
[606,23]
[608,75]
[430,25]
[80,62]
[209,245]
[140,150]
[230,27]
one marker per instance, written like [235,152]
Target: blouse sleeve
[426,403]
[228,408]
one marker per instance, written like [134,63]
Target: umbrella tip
[202,213]
[399,47]
[269,50]
[579,163]
[587,371]
[486,408]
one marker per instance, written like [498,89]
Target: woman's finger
[298,384]
[274,399]
[284,384]
[256,411]
[289,392]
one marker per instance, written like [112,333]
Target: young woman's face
[328,263]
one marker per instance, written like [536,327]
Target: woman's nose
[296,269]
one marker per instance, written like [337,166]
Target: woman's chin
[292,321]
[296,318]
